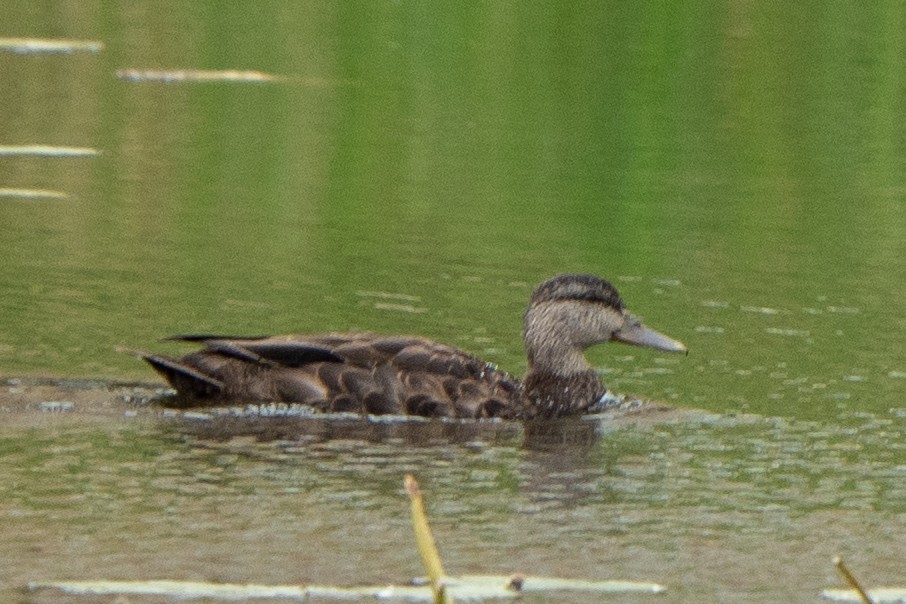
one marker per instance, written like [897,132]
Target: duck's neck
[556,355]
[559,380]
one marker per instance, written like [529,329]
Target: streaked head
[569,313]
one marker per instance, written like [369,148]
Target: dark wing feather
[262,349]
[204,337]
[292,354]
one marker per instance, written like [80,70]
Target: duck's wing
[342,372]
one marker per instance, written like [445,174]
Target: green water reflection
[710,159]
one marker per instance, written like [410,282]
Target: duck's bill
[633,332]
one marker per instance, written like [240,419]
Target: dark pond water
[738,170]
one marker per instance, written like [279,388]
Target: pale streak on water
[49,45]
[47,151]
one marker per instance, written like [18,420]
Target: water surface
[736,170]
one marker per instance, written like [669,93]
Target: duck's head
[569,313]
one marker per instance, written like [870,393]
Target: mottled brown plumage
[375,374]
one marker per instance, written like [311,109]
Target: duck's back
[362,373]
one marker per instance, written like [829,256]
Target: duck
[374,374]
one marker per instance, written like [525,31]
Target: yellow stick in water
[427,549]
[853,582]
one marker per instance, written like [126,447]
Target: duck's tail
[188,382]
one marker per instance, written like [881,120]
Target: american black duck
[379,374]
